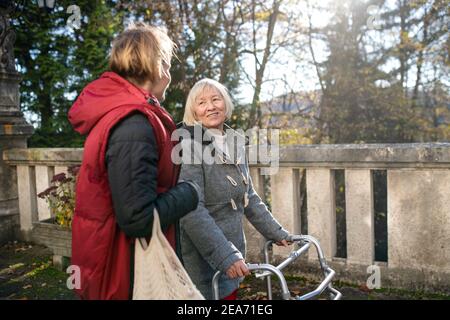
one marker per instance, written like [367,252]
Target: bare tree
[269,16]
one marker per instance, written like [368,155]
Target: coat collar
[206,139]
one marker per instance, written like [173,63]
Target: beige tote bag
[158,273]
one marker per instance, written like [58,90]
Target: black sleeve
[132,165]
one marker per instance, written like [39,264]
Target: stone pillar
[419,219]
[360,216]
[255,241]
[14,130]
[284,188]
[321,210]
[44,175]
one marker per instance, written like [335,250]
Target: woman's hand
[283,243]
[237,270]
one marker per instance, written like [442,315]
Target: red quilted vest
[99,247]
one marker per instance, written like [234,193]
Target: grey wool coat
[212,236]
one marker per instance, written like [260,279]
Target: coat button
[245,200]
[245,179]
[233,204]
[233,182]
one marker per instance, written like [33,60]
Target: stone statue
[7,39]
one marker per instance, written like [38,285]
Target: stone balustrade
[35,168]
[418,209]
[418,206]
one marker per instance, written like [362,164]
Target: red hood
[100,97]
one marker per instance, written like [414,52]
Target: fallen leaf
[364,288]
[27,286]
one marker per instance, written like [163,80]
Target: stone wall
[33,169]
[14,132]
[9,227]
[9,203]
[418,205]
[418,210]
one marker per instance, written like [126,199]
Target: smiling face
[209,109]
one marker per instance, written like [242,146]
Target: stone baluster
[284,188]
[26,182]
[44,175]
[359,216]
[321,210]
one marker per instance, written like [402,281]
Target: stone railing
[418,209]
[35,169]
[418,206]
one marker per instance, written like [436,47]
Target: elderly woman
[126,170]
[212,236]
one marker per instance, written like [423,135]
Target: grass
[255,289]
[26,273]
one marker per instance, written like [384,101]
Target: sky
[297,72]
[300,74]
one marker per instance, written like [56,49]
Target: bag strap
[156,229]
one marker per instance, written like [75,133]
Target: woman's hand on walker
[237,270]
[283,243]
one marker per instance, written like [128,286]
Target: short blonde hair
[139,52]
[199,88]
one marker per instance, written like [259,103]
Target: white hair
[189,114]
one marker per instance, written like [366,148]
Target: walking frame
[265,270]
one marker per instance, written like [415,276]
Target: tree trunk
[255,111]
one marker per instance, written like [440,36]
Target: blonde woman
[212,236]
[126,170]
